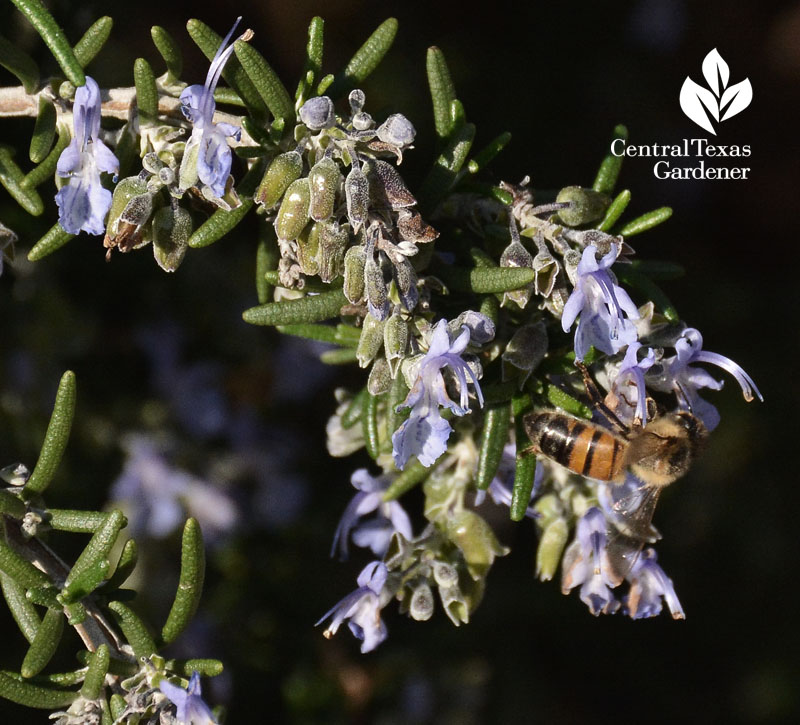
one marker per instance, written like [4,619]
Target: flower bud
[526,349]
[515,255]
[380,377]
[357,99]
[333,242]
[586,205]
[421,607]
[283,170]
[131,208]
[476,540]
[551,547]
[362,121]
[376,290]
[406,280]
[293,214]
[172,228]
[388,190]
[546,268]
[397,130]
[370,342]
[444,574]
[317,113]
[395,340]
[354,261]
[308,250]
[455,604]
[356,190]
[324,181]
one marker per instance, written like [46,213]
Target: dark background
[558,76]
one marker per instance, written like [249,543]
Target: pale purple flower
[207,156]
[157,496]
[363,608]
[678,374]
[375,533]
[606,311]
[649,584]
[629,385]
[425,433]
[190,708]
[586,563]
[83,203]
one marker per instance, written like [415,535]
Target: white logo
[722,101]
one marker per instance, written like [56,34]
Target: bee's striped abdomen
[581,446]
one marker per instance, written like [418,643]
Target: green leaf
[443,92]
[442,177]
[204,667]
[233,73]
[118,705]
[325,83]
[125,565]
[493,440]
[525,467]
[486,155]
[56,437]
[394,418]
[266,82]
[25,693]
[96,674]
[44,644]
[649,289]
[81,522]
[267,257]
[561,399]
[369,425]
[657,269]
[615,210]
[93,40]
[55,238]
[47,168]
[54,38]
[413,474]
[146,91]
[292,312]
[11,177]
[21,609]
[221,222]
[608,173]
[342,356]
[44,131]
[11,505]
[190,584]
[646,221]
[20,64]
[170,51]
[487,280]
[366,59]
[323,333]
[313,65]
[134,630]
[231,97]
[353,412]
[92,567]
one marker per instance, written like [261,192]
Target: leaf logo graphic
[719,101]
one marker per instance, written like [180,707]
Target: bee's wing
[633,516]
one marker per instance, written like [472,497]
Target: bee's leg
[597,399]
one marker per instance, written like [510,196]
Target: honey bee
[656,454]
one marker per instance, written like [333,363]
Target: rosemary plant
[511,343]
